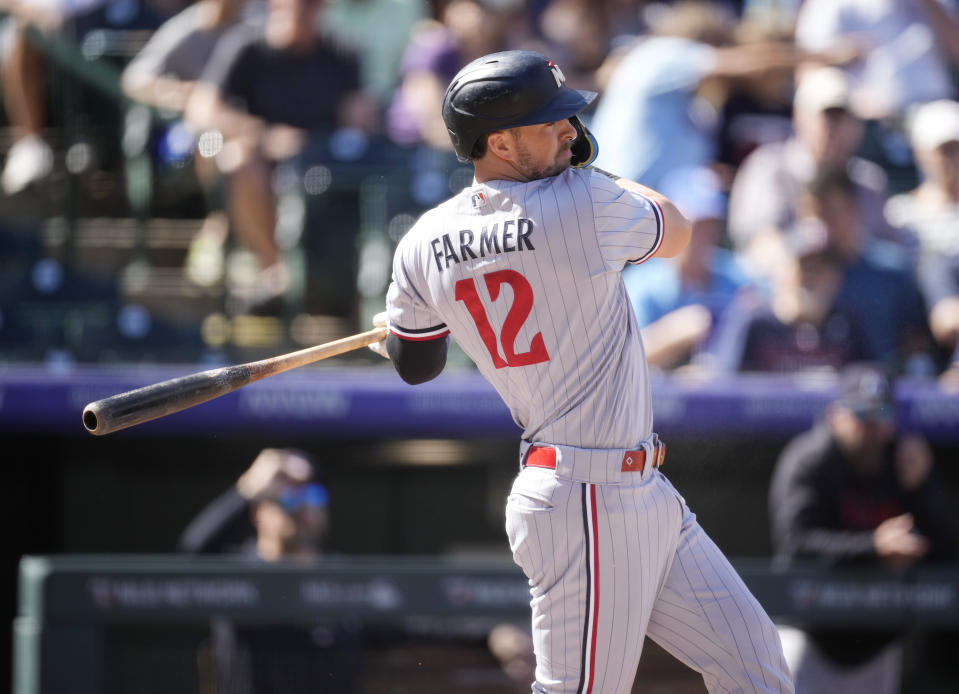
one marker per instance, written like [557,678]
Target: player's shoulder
[589,180]
[605,189]
[430,224]
[425,225]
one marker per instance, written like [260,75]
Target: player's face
[543,150]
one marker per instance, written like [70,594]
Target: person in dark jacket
[278,512]
[857,490]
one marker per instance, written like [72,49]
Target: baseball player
[523,269]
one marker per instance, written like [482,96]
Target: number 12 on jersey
[465,291]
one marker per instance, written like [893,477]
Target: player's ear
[500,144]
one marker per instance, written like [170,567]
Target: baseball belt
[633,461]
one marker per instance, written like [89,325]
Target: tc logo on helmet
[557,73]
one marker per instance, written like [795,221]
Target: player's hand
[897,543]
[380,321]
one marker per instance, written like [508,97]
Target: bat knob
[90,420]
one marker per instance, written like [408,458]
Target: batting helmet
[507,90]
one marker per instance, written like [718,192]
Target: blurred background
[187,185]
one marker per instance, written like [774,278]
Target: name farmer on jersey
[513,236]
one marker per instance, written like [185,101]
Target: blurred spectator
[23,74]
[265,92]
[379,30]
[907,49]
[609,23]
[756,109]
[798,326]
[932,211]
[882,294]
[438,48]
[577,34]
[277,511]
[777,14]
[678,300]
[939,280]
[166,68]
[857,490]
[162,75]
[658,110]
[769,183]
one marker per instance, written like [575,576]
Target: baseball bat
[160,399]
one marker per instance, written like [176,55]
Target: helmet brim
[567,102]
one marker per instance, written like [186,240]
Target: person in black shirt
[857,490]
[265,96]
[277,511]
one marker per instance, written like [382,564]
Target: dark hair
[482,144]
[479,148]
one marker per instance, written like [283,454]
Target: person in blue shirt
[678,300]
[847,299]
[797,326]
[659,107]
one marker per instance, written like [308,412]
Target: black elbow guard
[417,362]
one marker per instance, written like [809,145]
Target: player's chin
[563,162]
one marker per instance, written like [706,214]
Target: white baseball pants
[612,558]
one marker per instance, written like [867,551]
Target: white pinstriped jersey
[526,277]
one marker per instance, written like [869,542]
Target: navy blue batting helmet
[507,90]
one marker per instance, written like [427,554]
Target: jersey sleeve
[629,225]
[409,314]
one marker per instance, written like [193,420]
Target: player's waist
[596,465]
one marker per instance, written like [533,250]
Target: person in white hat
[768,185]
[931,209]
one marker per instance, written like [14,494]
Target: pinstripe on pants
[609,563]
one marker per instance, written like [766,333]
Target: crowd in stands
[814,144]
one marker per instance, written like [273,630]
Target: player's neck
[495,174]
[493,168]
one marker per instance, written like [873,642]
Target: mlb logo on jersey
[478,199]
